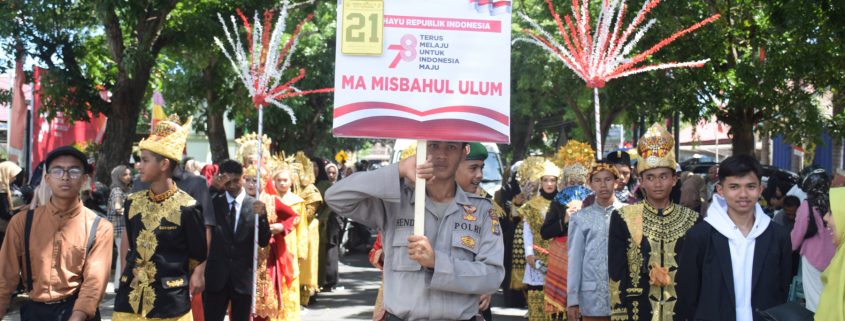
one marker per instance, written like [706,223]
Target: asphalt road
[353,299]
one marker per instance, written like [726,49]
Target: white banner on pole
[442,71]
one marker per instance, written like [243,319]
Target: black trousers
[487,314]
[216,304]
[334,233]
[60,311]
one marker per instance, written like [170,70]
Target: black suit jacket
[705,282]
[231,256]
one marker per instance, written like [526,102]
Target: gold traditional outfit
[166,236]
[248,151]
[575,159]
[533,214]
[309,229]
[644,243]
[268,298]
[291,292]
[275,273]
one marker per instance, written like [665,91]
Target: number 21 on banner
[362,27]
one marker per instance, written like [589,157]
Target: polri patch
[469,213]
[468,241]
[494,222]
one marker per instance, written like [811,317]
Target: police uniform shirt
[466,239]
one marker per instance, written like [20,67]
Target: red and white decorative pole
[261,68]
[606,54]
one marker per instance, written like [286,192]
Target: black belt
[67,299]
[391,317]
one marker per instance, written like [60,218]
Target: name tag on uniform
[169,283]
[168,227]
[404,222]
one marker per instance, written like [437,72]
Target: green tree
[543,86]
[315,53]
[195,77]
[767,57]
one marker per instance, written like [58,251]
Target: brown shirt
[60,268]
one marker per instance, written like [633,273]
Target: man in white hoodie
[735,262]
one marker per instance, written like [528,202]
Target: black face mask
[548,196]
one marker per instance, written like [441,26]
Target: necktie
[232,212]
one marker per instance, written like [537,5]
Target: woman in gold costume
[538,177]
[282,179]
[309,234]
[275,262]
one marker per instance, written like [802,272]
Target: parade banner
[433,70]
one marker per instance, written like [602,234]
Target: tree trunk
[837,153]
[766,153]
[215,129]
[742,142]
[120,131]
[586,124]
[123,120]
[217,141]
[838,108]
[520,143]
[133,76]
[562,137]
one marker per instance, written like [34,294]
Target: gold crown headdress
[656,149]
[252,171]
[168,138]
[280,162]
[534,168]
[305,170]
[408,152]
[576,159]
[248,146]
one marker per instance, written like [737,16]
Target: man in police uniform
[469,176]
[441,275]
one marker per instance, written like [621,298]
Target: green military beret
[477,152]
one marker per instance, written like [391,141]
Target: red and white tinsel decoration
[606,53]
[261,66]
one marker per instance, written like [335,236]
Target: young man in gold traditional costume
[165,233]
[647,237]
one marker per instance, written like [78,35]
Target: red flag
[17,118]
[60,131]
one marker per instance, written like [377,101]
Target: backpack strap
[92,234]
[27,231]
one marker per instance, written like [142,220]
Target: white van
[492,181]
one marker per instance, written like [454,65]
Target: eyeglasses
[59,172]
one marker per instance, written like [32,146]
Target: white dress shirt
[239,201]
